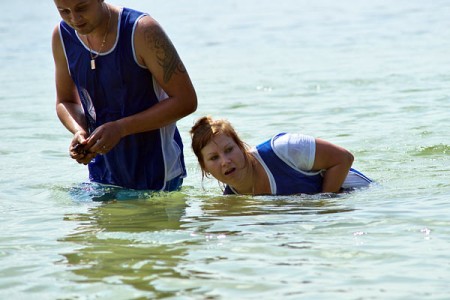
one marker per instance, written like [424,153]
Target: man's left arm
[155,51]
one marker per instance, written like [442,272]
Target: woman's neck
[256,182]
[247,186]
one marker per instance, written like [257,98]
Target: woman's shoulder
[286,139]
[295,149]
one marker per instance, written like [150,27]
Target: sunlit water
[372,76]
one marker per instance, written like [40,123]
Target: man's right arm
[68,105]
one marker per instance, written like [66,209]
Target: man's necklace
[93,57]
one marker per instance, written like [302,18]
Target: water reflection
[130,243]
[251,239]
[274,205]
[179,244]
[91,191]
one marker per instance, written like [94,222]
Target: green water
[372,76]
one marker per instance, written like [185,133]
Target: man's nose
[75,16]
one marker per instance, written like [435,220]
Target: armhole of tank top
[63,47]
[273,184]
[277,152]
[132,40]
[287,162]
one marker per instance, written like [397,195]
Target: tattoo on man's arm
[166,54]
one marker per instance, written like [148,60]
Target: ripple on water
[440,149]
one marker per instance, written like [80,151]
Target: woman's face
[223,158]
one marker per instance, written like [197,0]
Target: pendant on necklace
[92,64]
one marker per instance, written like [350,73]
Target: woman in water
[286,164]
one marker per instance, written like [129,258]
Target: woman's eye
[229,149]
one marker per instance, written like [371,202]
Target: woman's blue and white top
[288,159]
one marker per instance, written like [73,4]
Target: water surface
[372,76]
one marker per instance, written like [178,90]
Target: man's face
[82,15]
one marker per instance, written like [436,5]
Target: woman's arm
[336,161]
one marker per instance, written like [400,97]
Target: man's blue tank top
[288,180]
[118,88]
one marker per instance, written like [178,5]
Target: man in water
[120,88]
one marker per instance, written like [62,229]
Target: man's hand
[78,148]
[104,138]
